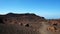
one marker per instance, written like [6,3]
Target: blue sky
[46,8]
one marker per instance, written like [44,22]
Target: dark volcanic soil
[28,24]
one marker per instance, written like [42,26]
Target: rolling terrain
[28,24]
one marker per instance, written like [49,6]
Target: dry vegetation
[28,24]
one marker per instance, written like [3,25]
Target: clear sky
[46,8]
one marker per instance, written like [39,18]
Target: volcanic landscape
[28,23]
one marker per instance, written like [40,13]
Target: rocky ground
[28,24]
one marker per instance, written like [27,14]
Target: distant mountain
[18,17]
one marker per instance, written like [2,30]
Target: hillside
[28,24]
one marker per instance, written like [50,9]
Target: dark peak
[29,14]
[20,14]
[10,13]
